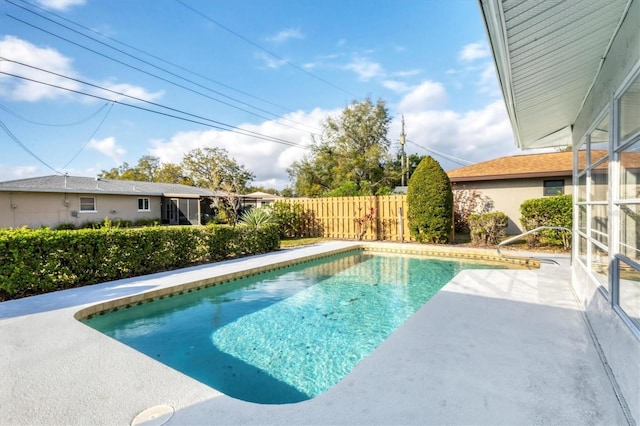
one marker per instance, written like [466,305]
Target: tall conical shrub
[430,203]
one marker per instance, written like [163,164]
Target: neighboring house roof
[262,195]
[516,167]
[550,164]
[87,185]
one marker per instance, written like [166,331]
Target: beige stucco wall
[35,209]
[507,195]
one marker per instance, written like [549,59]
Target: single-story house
[259,199]
[52,200]
[505,183]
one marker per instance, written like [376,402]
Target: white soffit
[548,54]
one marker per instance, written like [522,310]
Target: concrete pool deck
[492,347]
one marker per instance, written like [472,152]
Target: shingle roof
[548,164]
[87,185]
[516,166]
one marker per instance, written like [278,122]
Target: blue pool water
[287,335]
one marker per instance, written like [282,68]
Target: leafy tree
[213,168]
[287,192]
[172,173]
[395,168]
[312,175]
[346,189]
[430,203]
[353,147]
[144,171]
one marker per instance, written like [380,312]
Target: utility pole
[402,158]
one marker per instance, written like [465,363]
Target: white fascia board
[497,33]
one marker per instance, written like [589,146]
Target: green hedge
[34,261]
[548,211]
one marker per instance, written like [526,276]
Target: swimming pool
[286,335]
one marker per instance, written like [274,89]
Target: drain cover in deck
[154,416]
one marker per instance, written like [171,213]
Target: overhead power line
[256,45]
[152,74]
[90,137]
[228,127]
[129,46]
[443,155]
[24,147]
[74,123]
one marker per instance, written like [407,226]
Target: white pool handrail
[524,234]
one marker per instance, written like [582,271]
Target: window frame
[95,205]
[144,201]
[559,189]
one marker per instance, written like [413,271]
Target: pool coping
[219,279]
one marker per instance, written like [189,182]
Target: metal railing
[524,234]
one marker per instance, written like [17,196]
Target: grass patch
[297,242]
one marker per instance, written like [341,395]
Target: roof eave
[497,35]
[562,173]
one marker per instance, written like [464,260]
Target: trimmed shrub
[34,261]
[430,203]
[487,228]
[258,240]
[548,211]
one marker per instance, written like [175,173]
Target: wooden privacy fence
[373,218]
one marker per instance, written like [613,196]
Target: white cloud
[365,69]
[285,35]
[407,73]
[427,95]
[269,61]
[25,52]
[474,51]
[18,172]
[267,160]
[475,136]
[60,4]
[108,148]
[22,90]
[396,86]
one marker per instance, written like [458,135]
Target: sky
[255,77]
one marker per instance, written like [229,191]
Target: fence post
[400,225]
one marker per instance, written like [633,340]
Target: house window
[88,204]
[143,205]
[553,187]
